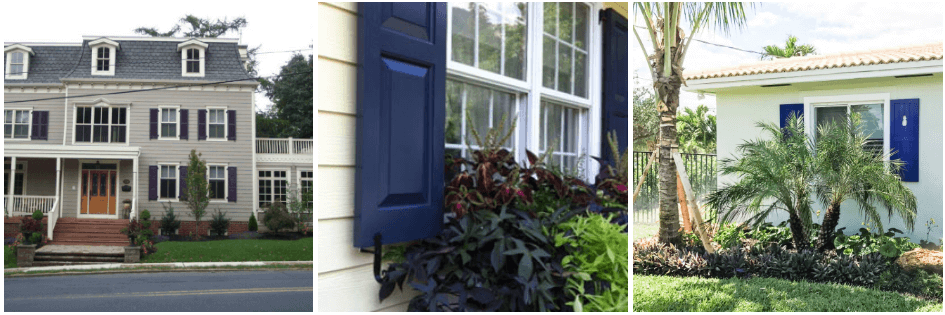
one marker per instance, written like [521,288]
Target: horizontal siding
[71,186]
[337,33]
[338,133]
[335,237]
[338,94]
[355,290]
[335,189]
[238,153]
[55,108]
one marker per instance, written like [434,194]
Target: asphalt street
[226,291]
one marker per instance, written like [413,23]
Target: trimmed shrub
[252,225]
[169,222]
[38,215]
[276,218]
[219,223]
[36,238]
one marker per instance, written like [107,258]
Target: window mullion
[573,35]
[502,42]
[462,132]
[476,35]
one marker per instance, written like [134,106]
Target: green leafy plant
[600,248]
[729,236]
[252,226]
[219,223]
[276,218]
[38,215]
[28,226]
[196,196]
[36,238]
[169,222]
[866,242]
[146,223]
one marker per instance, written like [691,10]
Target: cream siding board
[740,108]
[345,276]
[54,107]
[238,153]
[40,176]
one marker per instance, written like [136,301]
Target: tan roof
[921,52]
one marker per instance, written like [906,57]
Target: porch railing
[51,219]
[25,205]
[284,146]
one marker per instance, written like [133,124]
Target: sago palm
[774,174]
[846,170]
[669,44]
[790,50]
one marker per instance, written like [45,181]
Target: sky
[277,25]
[831,27]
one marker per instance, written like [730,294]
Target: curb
[148,268]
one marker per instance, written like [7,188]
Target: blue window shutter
[201,124]
[153,182]
[787,109]
[182,180]
[615,117]
[183,124]
[154,123]
[231,125]
[231,184]
[400,127]
[904,134]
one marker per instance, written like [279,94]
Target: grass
[9,257]
[643,230]
[693,294]
[233,250]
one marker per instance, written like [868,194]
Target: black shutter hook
[380,276]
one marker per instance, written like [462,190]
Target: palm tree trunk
[831,218]
[798,232]
[668,88]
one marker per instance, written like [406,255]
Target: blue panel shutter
[231,184]
[231,125]
[183,124]
[787,109]
[201,124]
[40,125]
[154,123]
[904,136]
[152,182]
[400,129]
[182,180]
[615,117]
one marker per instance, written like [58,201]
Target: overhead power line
[720,45]
[155,89]
[284,51]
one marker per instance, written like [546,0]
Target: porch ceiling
[70,151]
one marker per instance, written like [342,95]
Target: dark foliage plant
[28,226]
[252,226]
[276,218]
[219,223]
[169,222]
[133,230]
[36,238]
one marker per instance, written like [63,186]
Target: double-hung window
[272,187]
[101,124]
[168,184]
[17,65]
[16,124]
[193,60]
[871,116]
[306,185]
[102,59]
[216,123]
[216,185]
[529,63]
[169,123]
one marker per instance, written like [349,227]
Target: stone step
[92,242]
[69,263]
[105,259]
[78,254]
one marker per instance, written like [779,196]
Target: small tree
[299,208]
[169,222]
[196,193]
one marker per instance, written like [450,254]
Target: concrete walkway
[83,249]
[180,265]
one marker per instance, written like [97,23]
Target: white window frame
[176,166]
[29,123]
[226,182]
[199,46]
[812,102]
[272,179]
[225,121]
[532,93]
[299,181]
[109,124]
[112,46]
[161,109]
[6,174]
[9,74]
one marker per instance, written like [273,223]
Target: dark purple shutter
[201,124]
[904,136]
[152,182]
[231,184]
[231,125]
[183,183]
[40,125]
[154,123]
[183,124]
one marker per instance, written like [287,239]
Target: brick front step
[93,242]
[73,231]
[70,263]
[78,258]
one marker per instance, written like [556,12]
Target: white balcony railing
[284,146]
[25,205]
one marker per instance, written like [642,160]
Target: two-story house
[101,130]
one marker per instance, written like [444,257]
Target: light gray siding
[56,115]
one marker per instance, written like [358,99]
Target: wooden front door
[98,192]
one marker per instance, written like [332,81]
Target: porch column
[12,184]
[58,187]
[134,183]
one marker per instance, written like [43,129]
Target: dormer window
[18,62]
[103,56]
[193,54]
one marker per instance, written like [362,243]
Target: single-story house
[397,82]
[898,91]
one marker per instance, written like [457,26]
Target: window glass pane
[454,107]
[213,115]
[16,69]
[22,117]
[831,115]
[8,116]
[21,131]
[165,114]
[580,28]
[17,57]
[871,118]
[477,108]
[564,68]
[172,114]
[548,62]
[551,18]
[516,31]
[118,133]
[565,21]
[8,130]
[580,74]
[463,30]
[502,113]
[88,115]
[490,37]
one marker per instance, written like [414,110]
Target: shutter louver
[231,125]
[201,124]
[154,123]
[231,184]
[184,124]
[153,182]
[39,125]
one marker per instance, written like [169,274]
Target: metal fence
[702,171]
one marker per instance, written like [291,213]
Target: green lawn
[642,230]
[9,257]
[233,250]
[693,294]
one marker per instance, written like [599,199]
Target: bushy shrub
[252,226]
[38,215]
[729,236]
[169,222]
[36,238]
[145,217]
[219,223]
[866,242]
[28,226]
[600,248]
[133,230]
[276,218]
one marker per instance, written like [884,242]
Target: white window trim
[161,121]
[226,182]
[812,102]
[8,75]
[111,58]
[6,173]
[109,107]
[288,180]
[176,176]
[533,93]
[29,123]
[183,60]
[225,122]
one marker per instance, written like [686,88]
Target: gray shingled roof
[148,60]
[48,64]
